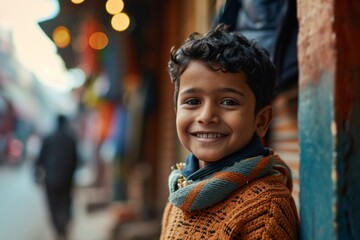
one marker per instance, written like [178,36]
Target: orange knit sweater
[261,209]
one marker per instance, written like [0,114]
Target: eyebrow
[224,90]
[190,90]
[232,90]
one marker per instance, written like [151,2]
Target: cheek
[180,123]
[242,124]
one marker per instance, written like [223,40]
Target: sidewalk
[22,207]
[90,225]
[116,221]
[24,213]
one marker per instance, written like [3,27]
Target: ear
[263,120]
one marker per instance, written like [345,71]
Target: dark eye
[192,101]
[229,102]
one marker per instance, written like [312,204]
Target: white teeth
[209,135]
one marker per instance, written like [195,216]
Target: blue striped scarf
[211,184]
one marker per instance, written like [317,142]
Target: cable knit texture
[249,200]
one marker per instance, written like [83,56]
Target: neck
[203,164]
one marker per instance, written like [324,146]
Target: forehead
[198,75]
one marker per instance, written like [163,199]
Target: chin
[208,159]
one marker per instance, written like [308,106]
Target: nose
[208,114]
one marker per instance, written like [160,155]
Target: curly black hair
[222,50]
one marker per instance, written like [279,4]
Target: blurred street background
[103,64]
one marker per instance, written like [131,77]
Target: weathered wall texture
[329,113]
[347,116]
[316,77]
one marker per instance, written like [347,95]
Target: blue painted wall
[317,154]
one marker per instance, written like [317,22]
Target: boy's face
[215,113]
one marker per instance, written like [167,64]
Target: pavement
[24,214]
[97,224]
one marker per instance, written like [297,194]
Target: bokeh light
[114,6]
[61,36]
[120,22]
[77,1]
[98,40]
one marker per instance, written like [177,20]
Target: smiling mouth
[209,135]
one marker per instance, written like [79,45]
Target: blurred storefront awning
[26,105]
[71,17]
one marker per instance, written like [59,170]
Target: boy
[231,187]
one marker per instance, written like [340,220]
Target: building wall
[329,119]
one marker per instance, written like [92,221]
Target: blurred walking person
[58,160]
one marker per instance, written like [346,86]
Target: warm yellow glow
[120,22]
[61,36]
[114,6]
[98,40]
[77,1]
